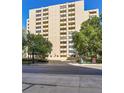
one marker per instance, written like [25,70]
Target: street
[62,78]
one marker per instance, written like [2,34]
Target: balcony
[45,26]
[71,14]
[63,11]
[63,55]
[38,19]
[45,22]
[45,9]
[71,10]
[38,15]
[71,5]
[45,30]
[45,34]
[38,23]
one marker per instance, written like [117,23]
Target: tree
[24,43]
[39,46]
[24,38]
[88,42]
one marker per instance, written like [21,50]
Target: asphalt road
[63,78]
[61,69]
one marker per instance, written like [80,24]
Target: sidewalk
[97,66]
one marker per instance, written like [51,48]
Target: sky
[30,4]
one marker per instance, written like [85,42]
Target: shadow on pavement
[60,69]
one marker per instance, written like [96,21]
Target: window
[38,27]
[63,46]
[63,33]
[70,41]
[45,22]
[62,20]
[71,19]
[63,51]
[63,42]
[62,55]
[70,37]
[45,30]
[37,19]
[45,34]
[70,28]
[37,11]
[72,14]
[63,6]
[38,23]
[63,37]
[46,26]
[92,12]
[63,11]
[64,24]
[71,5]
[72,23]
[38,31]
[46,9]
[44,14]
[37,15]
[70,46]
[70,33]
[62,28]
[64,15]
[71,10]
[71,51]
[45,18]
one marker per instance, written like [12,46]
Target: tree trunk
[94,59]
[33,56]
[81,60]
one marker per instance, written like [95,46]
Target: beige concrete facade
[56,23]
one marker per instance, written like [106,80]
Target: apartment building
[57,23]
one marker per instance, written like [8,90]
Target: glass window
[63,42]
[37,15]
[38,23]
[62,55]
[92,12]
[63,46]
[45,18]
[46,9]
[37,11]
[63,11]
[62,28]
[38,31]
[71,5]
[37,19]
[38,27]
[64,15]
[70,19]
[63,6]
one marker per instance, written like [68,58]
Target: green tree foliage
[39,45]
[24,38]
[88,42]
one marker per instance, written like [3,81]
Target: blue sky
[30,4]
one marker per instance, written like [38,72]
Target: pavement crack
[40,84]
[28,87]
